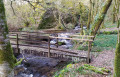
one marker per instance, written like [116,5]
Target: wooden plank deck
[24,40]
[54,53]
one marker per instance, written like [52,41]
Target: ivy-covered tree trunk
[7,59]
[117,60]
[117,56]
[117,52]
[100,17]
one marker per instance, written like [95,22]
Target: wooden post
[89,49]
[57,41]
[17,40]
[48,46]
[28,35]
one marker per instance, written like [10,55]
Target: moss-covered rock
[61,43]
[49,19]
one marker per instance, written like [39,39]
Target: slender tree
[89,15]
[114,13]
[7,59]
[97,6]
[93,10]
[100,17]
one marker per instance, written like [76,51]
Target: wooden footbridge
[38,43]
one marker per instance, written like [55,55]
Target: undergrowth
[110,25]
[102,42]
[72,71]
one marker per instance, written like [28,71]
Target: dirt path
[105,59]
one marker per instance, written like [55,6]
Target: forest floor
[110,29]
[103,59]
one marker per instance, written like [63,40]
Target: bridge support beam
[48,46]
[89,49]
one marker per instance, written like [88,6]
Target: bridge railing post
[48,46]
[17,41]
[57,41]
[89,49]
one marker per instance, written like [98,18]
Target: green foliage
[81,70]
[63,71]
[48,19]
[105,40]
[96,69]
[19,62]
[70,25]
[102,42]
[85,69]
[61,43]
[26,24]
[68,10]
[109,32]
[110,25]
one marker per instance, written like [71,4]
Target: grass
[103,42]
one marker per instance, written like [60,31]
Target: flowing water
[36,66]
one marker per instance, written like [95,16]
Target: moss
[46,23]
[48,19]
[96,69]
[117,61]
[19,62]
[61,43]
[69,66]
[63,71]
[6,53]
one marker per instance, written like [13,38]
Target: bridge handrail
[88,39]
[71,38]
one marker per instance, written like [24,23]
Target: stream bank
[36,66]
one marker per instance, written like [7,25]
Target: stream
[36,66]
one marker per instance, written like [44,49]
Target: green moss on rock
[48,19]
[7,55]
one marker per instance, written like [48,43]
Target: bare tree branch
[12,7]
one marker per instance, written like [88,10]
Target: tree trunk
[117,57]
[97,6]
[89,16]
[117,52]
[92,11]
[117,60]
[100,17]
[81,32]
[7,59]
[114,14]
